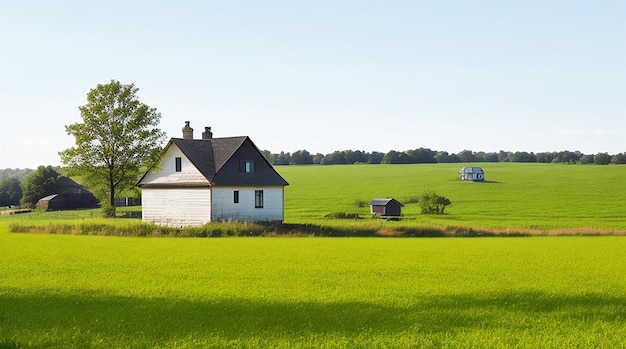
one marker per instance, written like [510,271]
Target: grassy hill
[536,196]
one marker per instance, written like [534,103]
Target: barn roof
[48,198]
[384,202]
[66,184]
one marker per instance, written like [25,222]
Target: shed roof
[384,202]
[471,170]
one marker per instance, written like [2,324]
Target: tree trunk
[110,210]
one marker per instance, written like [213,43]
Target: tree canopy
[117,139]
[10,191]
[38,184]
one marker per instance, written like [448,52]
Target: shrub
[432,203]
[108,210]
[361,203]
[20,228]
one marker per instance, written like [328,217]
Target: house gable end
[224,149]
[166,174]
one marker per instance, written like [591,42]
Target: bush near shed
[432,203]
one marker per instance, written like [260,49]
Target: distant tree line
[17,173]
[26,187]
[10,185]
[428,156]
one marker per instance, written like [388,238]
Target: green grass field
[64,291]
[528,199]
[78,291]
[539,196]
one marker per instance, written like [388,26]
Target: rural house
[475,174]
[198,181]
[68,195]
[388,207]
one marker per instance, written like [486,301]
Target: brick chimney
[187,131]
[207,134]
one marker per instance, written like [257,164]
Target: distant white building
[475,174]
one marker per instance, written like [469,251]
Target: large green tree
[119,136]
[38,184]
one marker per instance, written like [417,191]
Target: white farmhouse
[198,181]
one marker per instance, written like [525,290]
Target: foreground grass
[86,291]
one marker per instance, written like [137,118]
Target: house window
[179,164]
[236,196]
[258,198]
[246,166]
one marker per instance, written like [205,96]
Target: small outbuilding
[388,207]
[69,195]
[475,174]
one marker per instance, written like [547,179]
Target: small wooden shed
[475,174]
[388,207]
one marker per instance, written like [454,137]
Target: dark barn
[69,196]
[386,207]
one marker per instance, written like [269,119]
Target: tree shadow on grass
[118,320]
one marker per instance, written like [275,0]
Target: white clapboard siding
[177,207]
[224,208]
[166,173]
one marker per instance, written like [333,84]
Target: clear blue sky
[323,75]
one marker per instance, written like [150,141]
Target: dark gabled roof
[384,202]
[199,152]
[65,184]
[210,156]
